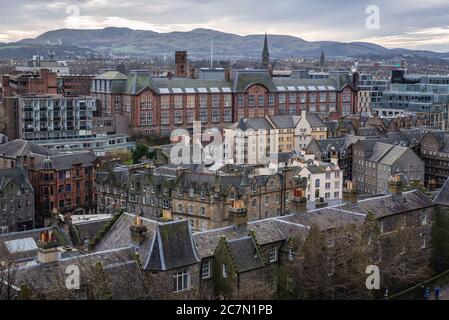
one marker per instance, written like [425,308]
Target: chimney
[47,245]
[138,231]
[181,64]
[432,185]
[227,74]
[238,214]
[395,186]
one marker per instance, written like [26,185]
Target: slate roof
[89,229]
[66,161]
[18,148]
[391,205]
[23,255]
[285,121]
[266,232]
[111,75]
[254,123]
[442,198]
[16,175]
[119,235]
[243,79]
[379,151]
[314,120]
[172,247]
[119,266]
[246,254]
[325,218]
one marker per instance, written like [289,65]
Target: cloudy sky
[414,24]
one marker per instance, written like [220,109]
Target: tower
[265,54]
[181,64]
[322,61]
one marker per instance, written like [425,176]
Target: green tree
[141,151]
[440,241]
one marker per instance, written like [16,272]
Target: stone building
[16,201]
[434,150]
[374,162]
[241,261]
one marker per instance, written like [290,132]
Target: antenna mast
[212,53]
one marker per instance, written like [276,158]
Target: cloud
[403,23]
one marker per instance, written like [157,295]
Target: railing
[417,292]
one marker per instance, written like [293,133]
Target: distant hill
[139,43]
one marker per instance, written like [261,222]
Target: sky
[413,24]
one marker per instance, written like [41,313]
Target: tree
[140,152]
[440,241]
[313,277]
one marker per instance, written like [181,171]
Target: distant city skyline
[408,24]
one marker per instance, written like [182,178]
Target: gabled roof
[172,247]
[442,197]
[111,75]
[284,121]
[65,161]
[18,148]
[16,175]
[246,254]
[243,79]
[314,120]
[390,205]
[254,123]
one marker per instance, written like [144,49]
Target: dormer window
[253,187]
[232,195]
[191,192]
[203,193]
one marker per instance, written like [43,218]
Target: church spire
[265,53]
[322,61]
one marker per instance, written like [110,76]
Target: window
[241,100]
[165,117]
[251,100]
[423,240]
[205,269]
[190,101]
[203,101]
[215,101]
[227,115]
[181,281]
[204,116]
[225,271]
[178,102]
[165,102]
[317,183]
[423,218]
[291,253]
[271,100]
[261,101]
[190,209]
[273,254]
[203,211]
[180,207]
[216,115]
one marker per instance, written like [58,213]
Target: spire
[322,60]
[265,53]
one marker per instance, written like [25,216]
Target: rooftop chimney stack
[181,64]
[47,251]
[395,186]
[238,214]
[138,231]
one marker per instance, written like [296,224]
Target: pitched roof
[111,75]
[254,123]
[442,197]
[390,205]
[16,175]
[172,247]
[284,121]
[314,120]
[246,254]
[65,161]
[18,148]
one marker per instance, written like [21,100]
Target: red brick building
[63,184]
[160,105]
